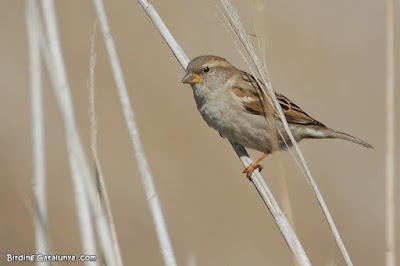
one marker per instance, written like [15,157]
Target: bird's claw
[250,169]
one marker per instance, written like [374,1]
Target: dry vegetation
[213,215]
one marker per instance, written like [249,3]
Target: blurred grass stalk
[86,200]
[280,219]
[38,134]
[232,19]
[93,136]
[61,90]
[143,166]
[390,138]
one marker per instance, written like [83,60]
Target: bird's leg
[250,169]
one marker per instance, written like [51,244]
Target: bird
[231,102]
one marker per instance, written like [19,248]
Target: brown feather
[254,101]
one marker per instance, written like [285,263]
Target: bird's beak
[191,78]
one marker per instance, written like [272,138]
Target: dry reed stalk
[38,133]
[61,85]
[280,219]
[144,168]
[93,136]
[232,18]
[390,139]
[84,187]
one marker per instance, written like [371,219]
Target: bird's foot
[250,169]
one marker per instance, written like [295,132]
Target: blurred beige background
[328,57]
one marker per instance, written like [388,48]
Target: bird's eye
[206,69]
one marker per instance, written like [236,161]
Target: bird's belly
[248,130]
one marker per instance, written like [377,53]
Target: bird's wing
[256,103]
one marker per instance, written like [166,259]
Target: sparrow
[231,101]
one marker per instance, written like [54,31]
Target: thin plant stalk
[233,20]
[38,134]
[93,136]
[144,168]
[81,199]
[280,219]
[85,189]
[283,188]
[390,137]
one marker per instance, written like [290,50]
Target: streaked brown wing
[254,101]
[293,113]
[250,95]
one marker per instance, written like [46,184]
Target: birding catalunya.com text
[11,257]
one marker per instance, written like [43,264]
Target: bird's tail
[331,133]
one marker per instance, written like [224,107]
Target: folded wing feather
[256,103]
